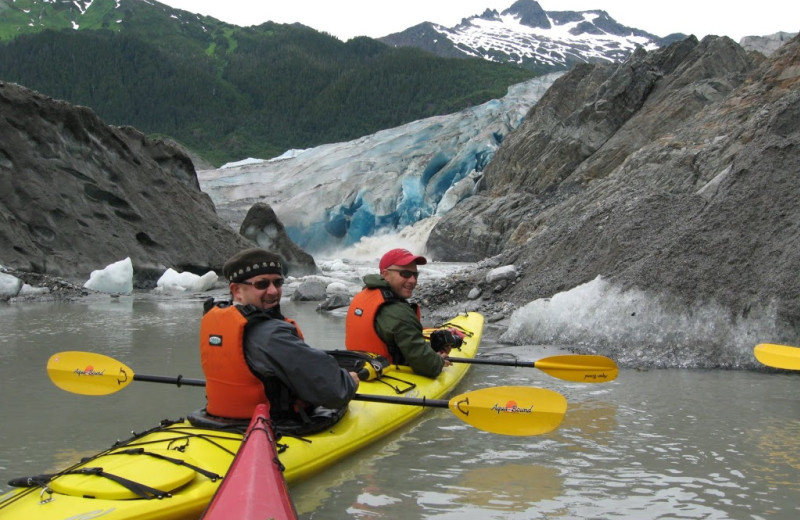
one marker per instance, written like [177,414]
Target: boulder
[262,226]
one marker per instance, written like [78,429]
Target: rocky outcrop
[674,172]
[77,195]
[766,45]
[262,226]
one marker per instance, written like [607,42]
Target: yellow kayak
[173,470]
[366,422]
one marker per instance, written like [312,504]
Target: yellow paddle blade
[580,368]
[87,373]
[511,410]
[778,356]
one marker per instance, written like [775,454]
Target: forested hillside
[228,92]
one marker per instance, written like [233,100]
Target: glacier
[331,196]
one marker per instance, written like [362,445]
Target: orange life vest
[232,390]
[360,333]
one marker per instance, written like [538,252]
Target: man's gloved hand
[443,340]
[371,370]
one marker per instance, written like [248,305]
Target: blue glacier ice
[330,196]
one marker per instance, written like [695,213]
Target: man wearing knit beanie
[252,353]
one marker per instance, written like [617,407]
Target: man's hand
[445,339]
[370,371]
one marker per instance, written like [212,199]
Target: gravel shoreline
[43,287]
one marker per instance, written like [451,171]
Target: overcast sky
[348,18]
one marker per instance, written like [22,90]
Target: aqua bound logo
[89,371]
[511,407]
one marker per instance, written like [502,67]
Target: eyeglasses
[264,284]
[405,273]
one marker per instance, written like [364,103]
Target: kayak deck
[169,472]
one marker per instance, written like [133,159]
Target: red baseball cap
[400,257]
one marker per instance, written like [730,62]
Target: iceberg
[116,278]
[173,281]
[10,285]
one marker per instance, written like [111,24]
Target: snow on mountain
[529,36]
[553,45]
[330,196]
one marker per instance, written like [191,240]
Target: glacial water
[653,444]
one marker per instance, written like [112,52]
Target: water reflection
[362,480]
[778,442]
[510,487]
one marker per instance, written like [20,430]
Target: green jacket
[398,326]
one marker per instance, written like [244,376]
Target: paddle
[507,410]
[778,356]
[572,367]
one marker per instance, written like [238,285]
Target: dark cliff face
[77,195]
[675,172]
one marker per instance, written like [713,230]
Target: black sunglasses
[405,273]
[264,284]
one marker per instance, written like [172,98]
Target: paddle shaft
[413,401]
[495,362]
[570,373]
[473,408]
[569,367]
[180,380]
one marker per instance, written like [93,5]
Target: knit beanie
[251,262]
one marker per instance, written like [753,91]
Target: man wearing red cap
[382,320]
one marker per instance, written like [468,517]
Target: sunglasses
[405,273]
[264,284]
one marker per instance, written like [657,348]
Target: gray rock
[310,290]
[334,301]
[77,195]
[766,45]
[262,226]
[507,272]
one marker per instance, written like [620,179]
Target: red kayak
[254,487]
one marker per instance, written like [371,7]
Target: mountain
[228,92]
[527,35]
